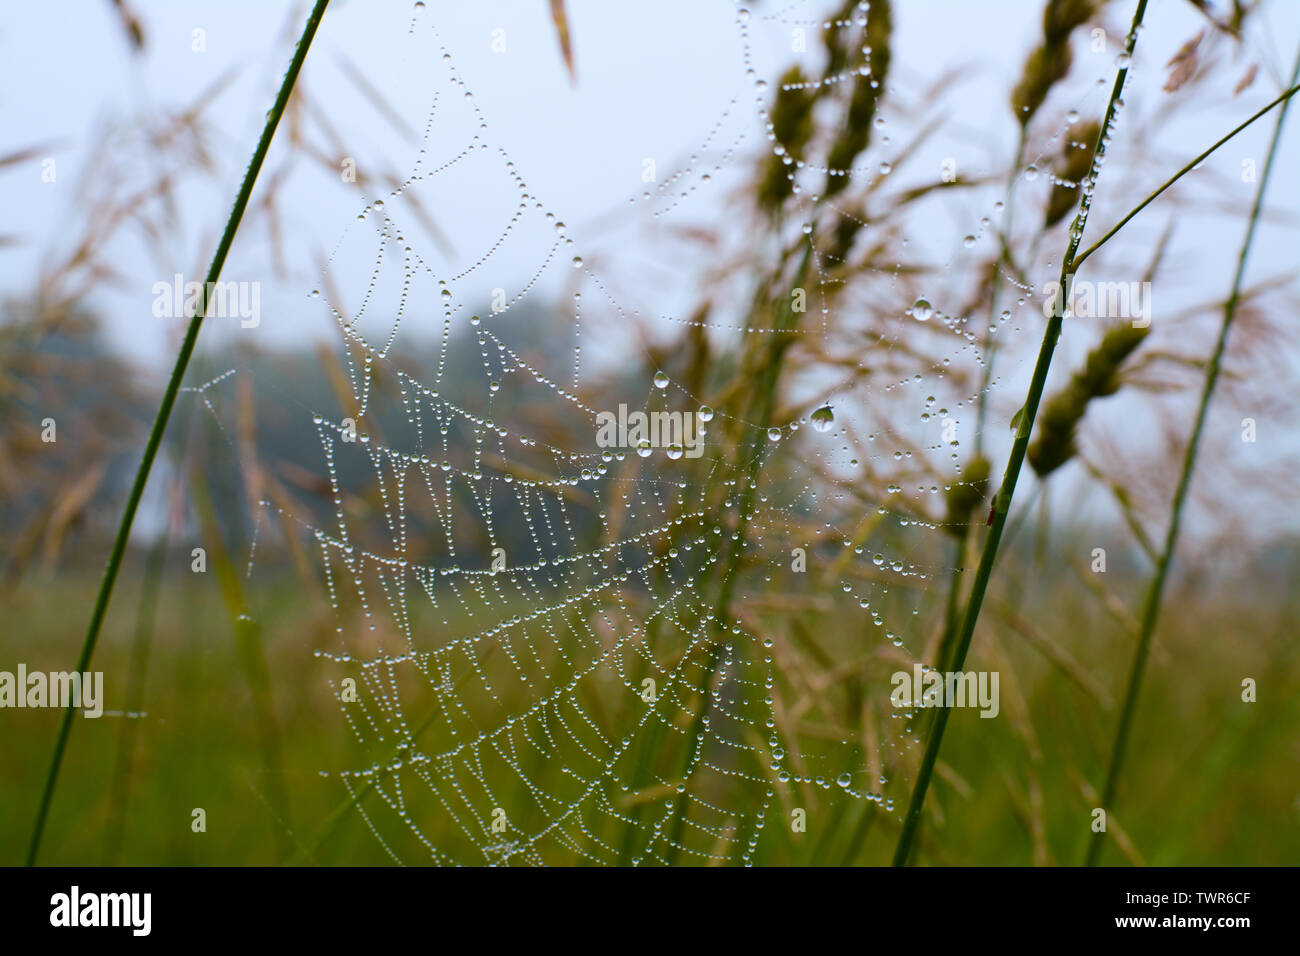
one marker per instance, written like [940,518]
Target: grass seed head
[868,87]
[1061,17]
[967,494]
[792,126]
[1054,444]
[837,38]
[1049,63]
[1071,168]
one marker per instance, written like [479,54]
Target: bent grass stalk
[1192,164]
[1002,499]
[118,551]
[1151,603]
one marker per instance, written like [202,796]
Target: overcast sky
[653,80]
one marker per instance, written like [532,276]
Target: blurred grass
[1213,786]
[199,744]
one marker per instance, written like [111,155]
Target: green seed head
[1048,64]
[1062,413]
[967,494]
[1071,168]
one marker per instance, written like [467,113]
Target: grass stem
[1002,499]
[118,551]
[751,460]
[1283,98]
[1151,602]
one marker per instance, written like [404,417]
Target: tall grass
[758,379]
[750,461]
[670,761]
[1071,262]
[1047,65]
[1155,589]
[1028,412]
[118,552]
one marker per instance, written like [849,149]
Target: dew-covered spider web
[554,651]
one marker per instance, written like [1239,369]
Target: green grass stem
[118,551]
[1155,589]
[1002,499]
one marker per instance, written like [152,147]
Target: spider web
[530,648]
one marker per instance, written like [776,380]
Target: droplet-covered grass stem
[1002,498]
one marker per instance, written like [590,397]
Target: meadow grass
[118,552]
[198,746]
[218,707]
[1003,496]
[1096,379]
[1155,590]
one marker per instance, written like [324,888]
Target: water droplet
[1017,418]
[774,434]
[1031,172]
[674,452]
[922,310]
[643,448]
[577,262]
[822,419]
[705,413]
[661,380]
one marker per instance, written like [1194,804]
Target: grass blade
[1283,98]
[1002,500]
[165,408]
[1151,603]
